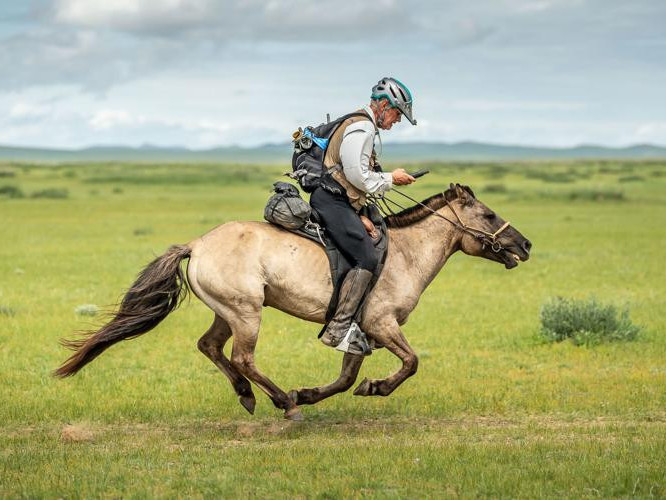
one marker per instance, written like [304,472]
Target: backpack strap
[352,115]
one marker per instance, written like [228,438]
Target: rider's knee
[368,262]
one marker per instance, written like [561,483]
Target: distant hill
[281,153]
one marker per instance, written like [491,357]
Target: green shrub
[7,173]
[560,177]
[143,231]
[11,192]
[494,188]
[7,311]
[495,171]
[631,178]
[585,322]
[579,172]
[54,193]
[87,310]
[584,195]
[595,195]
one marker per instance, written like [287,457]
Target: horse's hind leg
[212,345]
[351,364]
[245,328]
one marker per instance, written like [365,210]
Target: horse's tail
[157,291]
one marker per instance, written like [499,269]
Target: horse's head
[486,234]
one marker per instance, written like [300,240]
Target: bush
[631,178]
[87,310]
[143,231]
[494,188]
[11,192]
[594,195]
[585,322]
[561,177]
[7,311]
[54,193]
[494,171]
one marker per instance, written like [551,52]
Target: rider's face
[391,116]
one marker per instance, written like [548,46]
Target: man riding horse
[239,268]
[354,172]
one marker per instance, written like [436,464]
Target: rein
[485,237]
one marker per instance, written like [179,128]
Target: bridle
[486,238]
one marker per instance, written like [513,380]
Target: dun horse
[240,267]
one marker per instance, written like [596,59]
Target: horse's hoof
[293,395]
[248,402]
[293,414]
[364,388]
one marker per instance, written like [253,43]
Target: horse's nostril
[527,244]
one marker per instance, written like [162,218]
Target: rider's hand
[401,177]
[369,226]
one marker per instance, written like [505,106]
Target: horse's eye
[490,215]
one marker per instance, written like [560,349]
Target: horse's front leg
[351,364]
[389,334]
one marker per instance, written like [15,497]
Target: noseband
[486,238]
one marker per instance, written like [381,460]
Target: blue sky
[203,73]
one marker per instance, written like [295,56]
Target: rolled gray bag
[286,208]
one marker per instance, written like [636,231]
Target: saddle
[288,210]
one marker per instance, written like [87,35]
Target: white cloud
[113,125]
[202,73]
[233,19]
[110,118]
[654,132]
[133,14]
[28,111]
[515,105]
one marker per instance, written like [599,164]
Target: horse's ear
[462,195]
[450,194]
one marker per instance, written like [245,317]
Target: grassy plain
[493,411]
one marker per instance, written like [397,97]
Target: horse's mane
[411,215]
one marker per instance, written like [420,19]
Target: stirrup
[355,341]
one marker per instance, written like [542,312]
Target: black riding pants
[345,228]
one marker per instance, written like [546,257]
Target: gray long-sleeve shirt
[355,151]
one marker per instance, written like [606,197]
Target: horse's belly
[257,263]
[298,279]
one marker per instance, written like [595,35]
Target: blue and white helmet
[397,94]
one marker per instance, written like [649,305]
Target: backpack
[310,145]
[286,208]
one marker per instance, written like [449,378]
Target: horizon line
[276,144]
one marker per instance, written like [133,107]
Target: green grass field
[493,411]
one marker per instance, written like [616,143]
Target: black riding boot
[351,293]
